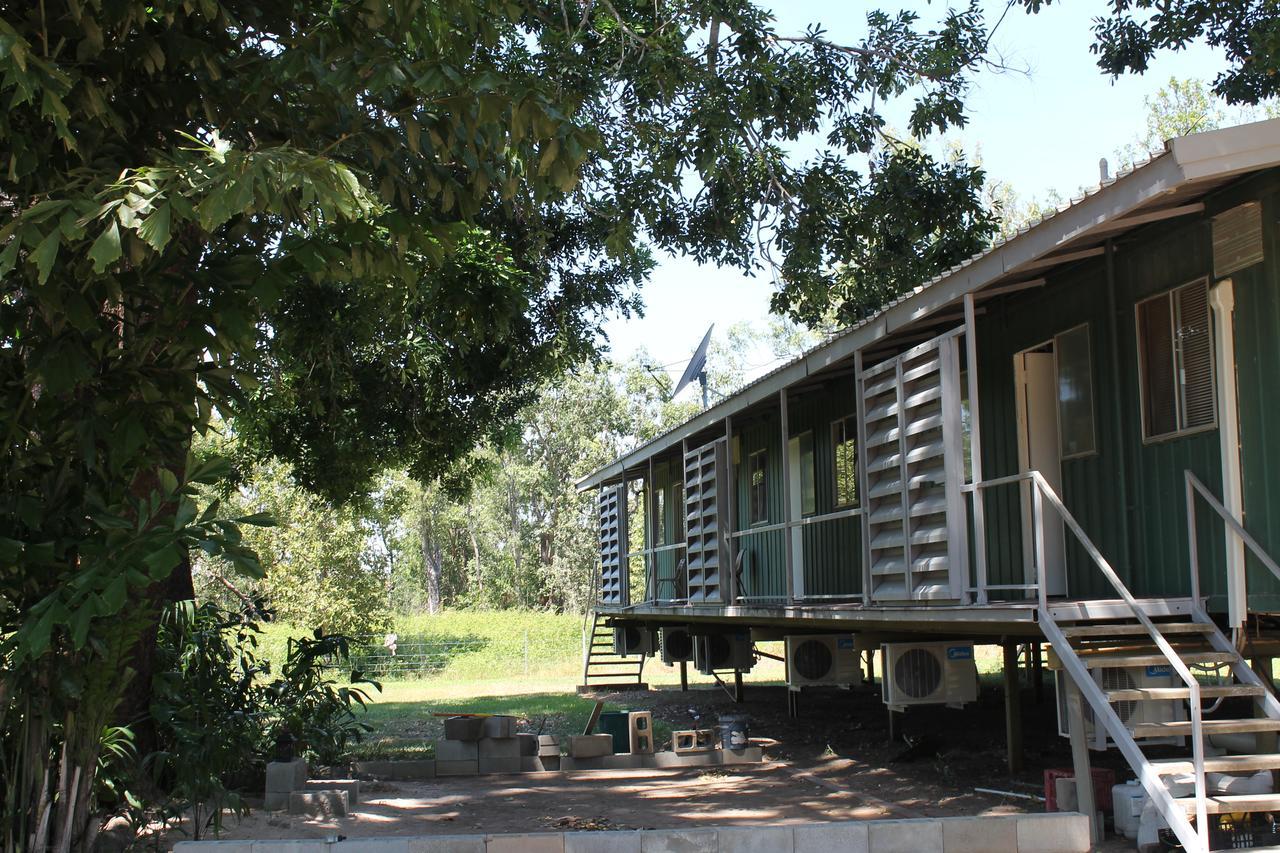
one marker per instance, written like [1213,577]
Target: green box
[617,725]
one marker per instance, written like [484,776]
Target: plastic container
[617,725]
[735,731]
[1127,800]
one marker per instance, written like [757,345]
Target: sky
[1040,131]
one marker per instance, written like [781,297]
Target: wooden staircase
[602,668]
[1089,637]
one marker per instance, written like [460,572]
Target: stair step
[1219,764]
[1104,608]
[1211,727]
[1133,628]
[1098,661]
[1207,691]
[1230,803]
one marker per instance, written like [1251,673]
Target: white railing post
[1037,533]
[1192,542]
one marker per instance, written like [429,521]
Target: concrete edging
[1057,832]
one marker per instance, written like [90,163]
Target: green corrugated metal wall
[764,562]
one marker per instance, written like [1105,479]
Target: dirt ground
[833,762]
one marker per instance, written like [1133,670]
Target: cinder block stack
[283,778]
[640,729]
[480,745]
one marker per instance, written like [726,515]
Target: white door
[1037,401]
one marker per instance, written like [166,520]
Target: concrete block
[750,755]
[760,839]
[302,845]
[447,844]
[1055,832]
[214,846]
[979,834]
[529,744]
[505,747]
[623,761]
[351,786]
[534,842]
[499,726]
[499,765]
[420,769]
[457,768]
[319,803]
[640,731]
[536,764]
[846,836]
[276,801]
[549,740]
[681,841]
[590,746]
[904,836]
[568,763]
[457,750]
[692,759]
[551,762]
[463,728]
[372,845]
[602,842]
[286,776]
[693,740]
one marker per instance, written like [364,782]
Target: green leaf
[113,596]
[258,519]
[155,230]
[162,562]
[45,254]
[9,257]
[168,481]
[106,249]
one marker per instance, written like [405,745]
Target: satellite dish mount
[697,369]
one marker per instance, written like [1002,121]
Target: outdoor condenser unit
[632,640]
[938,673]
[718,652]
[1130,713]
[677,645]
[822,659]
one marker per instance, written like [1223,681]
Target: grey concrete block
[447,844]
[457,768]
[319,803]
[602,842]
[750,755]
[529,744]
[457,750]
[846,836]
[691,759]
[681,841]
[499,765]
[351,786]
[372,845]
[213,846]
[568,763]
[625,761]
[506,747]
[534,842]
[276,801]
[499,726]
[304,845]
[286,776]
[551,762]
[979,834]
[420,769]
[1055,832]
[590,746]
[905,836]
[759,839]
[463,728]
[548,740]
[535,764]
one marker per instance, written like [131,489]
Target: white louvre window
[844,444]
[1175,352]
[1075,392]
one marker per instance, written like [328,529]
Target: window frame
[763,454]
[843,423]
[1063,456]
[1179,396]
[812,468]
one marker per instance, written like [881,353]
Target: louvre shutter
[1194,336]
[914,463]
[613,546]
[705,520]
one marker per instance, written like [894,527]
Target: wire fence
[391,657]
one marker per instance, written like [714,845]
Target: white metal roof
[1161,187]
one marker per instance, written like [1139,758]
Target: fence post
[526,653]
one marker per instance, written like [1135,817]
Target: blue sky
[1040,131]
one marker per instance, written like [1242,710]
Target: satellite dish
[697,368]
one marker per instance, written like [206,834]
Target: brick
[506,747]
[846,836]
[1055,832]
[529,744]
[457,768]
[457,750]
[351,786]
[681,841]
[534,842]
[905,836]
[499,726]
[286,776]
[420,769]
[602,842]
[979,834]
[319,803]
[759,839]
[590,746]
[463,728]
[499,765]
[447,844]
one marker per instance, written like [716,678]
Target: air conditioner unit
[938,673]
[822,659]
[718,652]
[632,640]
[1130,713]
[677,645]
